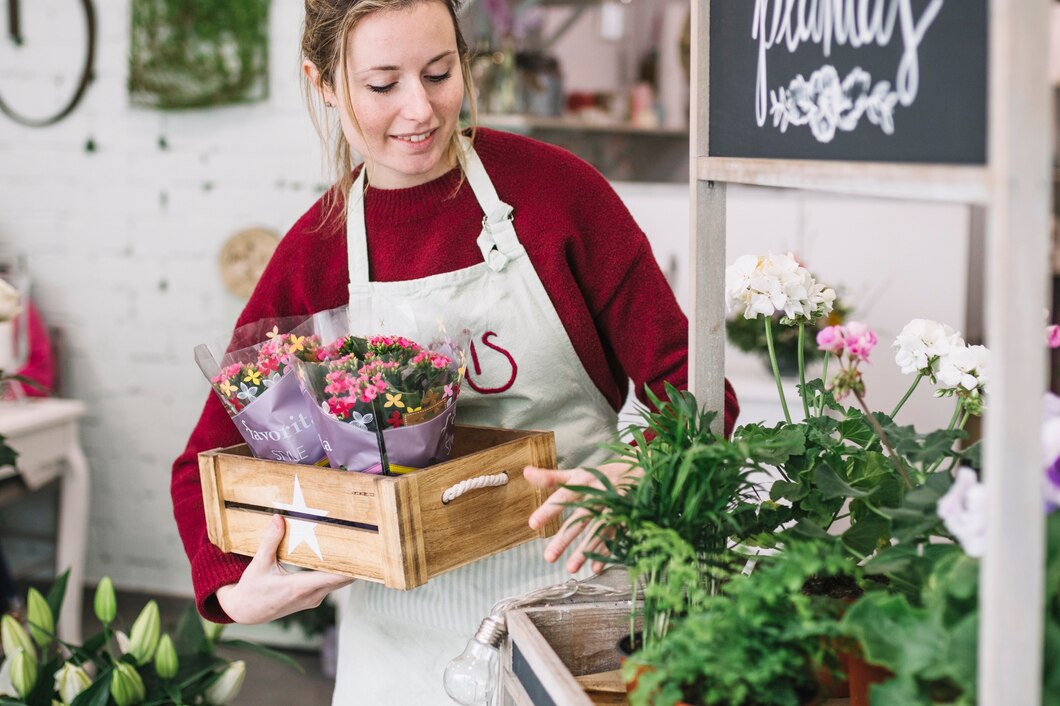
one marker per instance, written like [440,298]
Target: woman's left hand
[580,520]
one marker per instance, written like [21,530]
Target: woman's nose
[418,106]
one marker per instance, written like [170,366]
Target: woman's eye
[381,89]
[440,77]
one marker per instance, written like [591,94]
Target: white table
[44,432]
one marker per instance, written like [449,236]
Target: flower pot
[862,676]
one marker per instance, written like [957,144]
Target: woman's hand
[267,591]
[579,520]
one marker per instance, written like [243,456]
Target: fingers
[552,508]
[546,477]
[592,543]
[265,558]
[567,534]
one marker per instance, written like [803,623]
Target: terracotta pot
[862,676]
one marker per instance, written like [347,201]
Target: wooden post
[1010,631]
[706,332]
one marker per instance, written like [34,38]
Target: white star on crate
[299,531]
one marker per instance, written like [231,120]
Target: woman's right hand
[267,591]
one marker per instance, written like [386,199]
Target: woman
[556,282]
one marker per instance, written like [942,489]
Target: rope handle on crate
[468,484]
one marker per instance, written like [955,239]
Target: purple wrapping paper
[354,448]
[280,425]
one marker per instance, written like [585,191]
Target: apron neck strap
[498,241]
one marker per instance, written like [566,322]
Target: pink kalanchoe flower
[858,340]
[830,339]
[1052,336]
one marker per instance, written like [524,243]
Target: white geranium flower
[964,369]
[757,286]
[963,511]
[922,343]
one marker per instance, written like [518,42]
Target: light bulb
[471,678]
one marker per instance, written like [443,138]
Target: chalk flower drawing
[826,104]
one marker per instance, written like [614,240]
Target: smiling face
[404,86]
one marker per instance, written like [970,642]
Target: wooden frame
[1014,186]
[395,530]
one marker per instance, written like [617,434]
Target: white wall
[891,261]
[123,243]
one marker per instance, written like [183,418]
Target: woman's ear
[316,80]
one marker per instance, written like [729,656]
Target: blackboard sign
[851,80]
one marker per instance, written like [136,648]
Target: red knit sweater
[593,260]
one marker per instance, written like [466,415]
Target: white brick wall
[123,243]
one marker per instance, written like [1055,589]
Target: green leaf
[894,634]
[856,429]
[831,485]
[8,456]
[98,694]
[901,691]
[57,593]
[264,652]
[864,535]
[891,560]
[189,636]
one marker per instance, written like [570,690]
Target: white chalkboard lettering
[826,102]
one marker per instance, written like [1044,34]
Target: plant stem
[901,402]
[776,368]
[802,371]
[955,417]
[953,424]
[884,440]
[824,383]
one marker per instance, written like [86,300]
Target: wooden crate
[566,655]
[391,529]
[553,652]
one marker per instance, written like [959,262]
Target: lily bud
[143,638]
[70,681]
[105,604]
[213,630]
[126,686]
[23,672]
[14,638]
[166,662]
[228,685]
[6,687]
[123,641]
[41,620]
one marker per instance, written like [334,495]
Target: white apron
[523,373]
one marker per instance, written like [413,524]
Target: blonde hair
[328,23]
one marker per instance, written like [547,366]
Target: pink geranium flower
[831,339]
[858,340]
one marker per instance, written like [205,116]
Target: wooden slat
[481,522]
[1017,263]
[345,550]
[212,503]
[547,666]
[584,635]
[469,439]
[933,182]
[345,495]
[401,530]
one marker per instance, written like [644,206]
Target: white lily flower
[6,687]
[9,301]
[228,685]
[70,681]
[963,511]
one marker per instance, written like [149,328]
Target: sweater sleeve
[277,294]
[633,306]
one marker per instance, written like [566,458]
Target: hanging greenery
[198,53]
